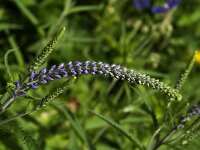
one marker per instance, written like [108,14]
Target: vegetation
[112,74]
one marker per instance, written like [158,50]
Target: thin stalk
[164,140]
[16,117]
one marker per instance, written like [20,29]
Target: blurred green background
[111,31]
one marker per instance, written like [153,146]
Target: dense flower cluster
[93,68]
[170,4]
[192,112]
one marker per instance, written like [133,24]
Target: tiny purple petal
[15,93]
[53,67]
[17,84]
[87,63]
[42,76]
[36,76]
[64,73]
[23,93]
[70,64]
[49,78]
[43,71]
[61,65]
[86,72]
[33,86]
[78,63]
[58,76]
[94,64]
[73,73]
[32,73]
[80,71]
[42,82]
[118,67]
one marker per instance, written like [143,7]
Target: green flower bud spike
[184,76]
[42,57]
[54,94]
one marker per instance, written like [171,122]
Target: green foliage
[110,31]
[125,133]
[21,135]
[76,126]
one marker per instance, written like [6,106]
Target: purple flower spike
[61,65]
[140,4]
[33,86]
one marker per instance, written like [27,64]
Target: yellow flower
[197,58]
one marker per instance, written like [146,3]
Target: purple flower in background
[165,7]
[140,4]
[192,112]
[173,3]
[160,9]
[170,4]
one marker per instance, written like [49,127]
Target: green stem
[164,140]
[16,117]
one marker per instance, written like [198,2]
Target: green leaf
[125,133]
[13,44]
[7,65]
[75,125]
[21,135]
